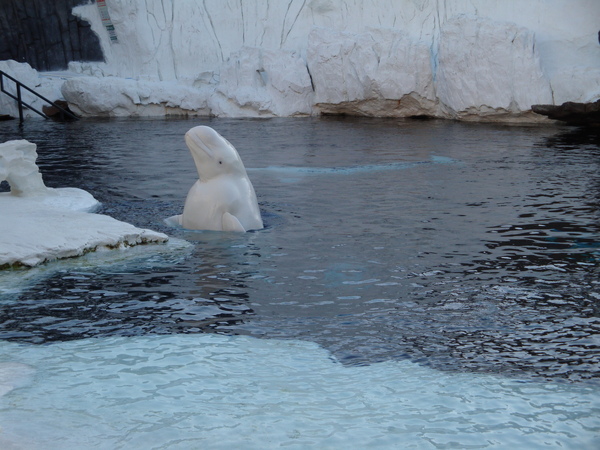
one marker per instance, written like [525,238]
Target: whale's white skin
[223,199]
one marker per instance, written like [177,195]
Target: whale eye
[220,162]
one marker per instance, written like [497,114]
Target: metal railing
[20,102]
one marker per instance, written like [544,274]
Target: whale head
[212,153]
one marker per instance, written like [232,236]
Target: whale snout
[205,136]
[202,139]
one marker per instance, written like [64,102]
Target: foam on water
[211,391]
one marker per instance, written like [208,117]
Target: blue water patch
[351,170]
[211,391]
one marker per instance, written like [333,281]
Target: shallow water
[454,249]
[218,392]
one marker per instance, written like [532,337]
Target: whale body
[223,198]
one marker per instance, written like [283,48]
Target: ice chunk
[43,224]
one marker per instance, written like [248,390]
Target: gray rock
[587,114]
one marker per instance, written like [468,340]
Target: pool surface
[419,284]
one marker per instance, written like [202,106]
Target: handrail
[21,102]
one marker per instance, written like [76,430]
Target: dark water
[464,247]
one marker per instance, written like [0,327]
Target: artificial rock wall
[460,59]
[45,34]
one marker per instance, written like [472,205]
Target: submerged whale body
[223,199]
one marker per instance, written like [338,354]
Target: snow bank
[42,224]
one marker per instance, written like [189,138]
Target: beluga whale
[223,198]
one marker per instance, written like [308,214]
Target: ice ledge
[32,232]
[41,224]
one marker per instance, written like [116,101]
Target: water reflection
[572,138]
[75,305]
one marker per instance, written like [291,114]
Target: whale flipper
[174,221]
[231,223]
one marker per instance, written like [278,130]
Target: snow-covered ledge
[40,224]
